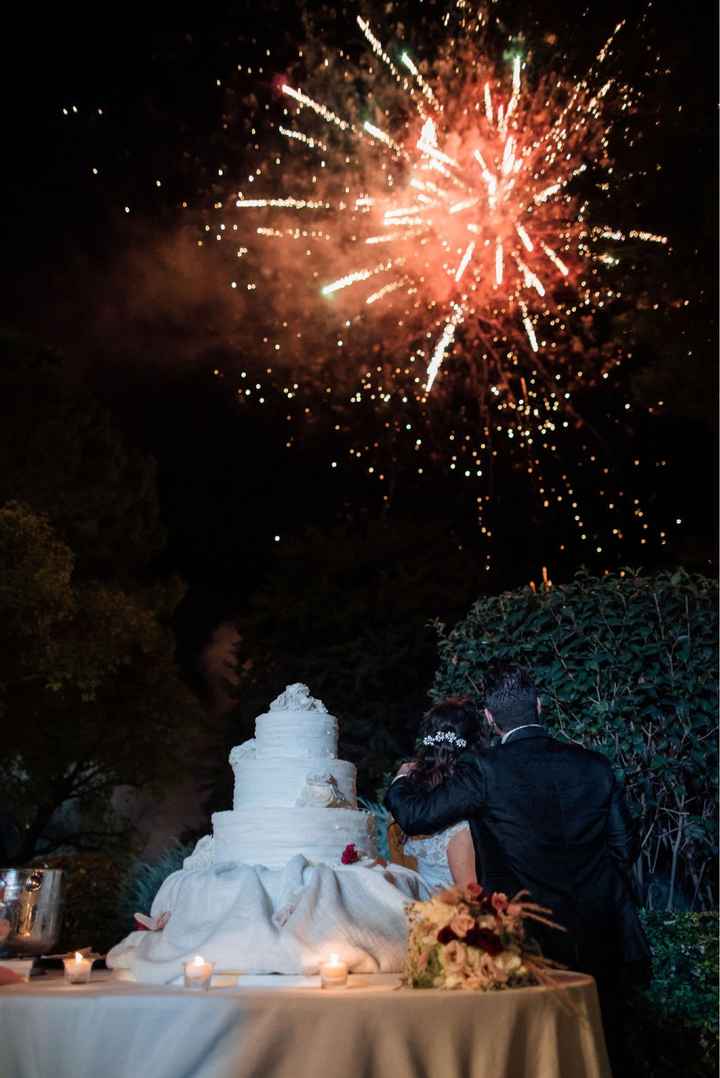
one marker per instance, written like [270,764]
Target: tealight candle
[198,972]
[334,973]
[77,969]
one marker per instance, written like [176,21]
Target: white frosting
[272,836]
[280,781]
[292,796]
[202,855]
[296,733]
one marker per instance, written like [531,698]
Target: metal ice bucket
[31,901]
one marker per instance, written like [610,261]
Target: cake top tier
[296,725]
[297,698]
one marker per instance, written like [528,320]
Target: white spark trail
[425,89]
[359,275]
[529,328]
[322,110]
[313,143]
[381,136]
[522,233]
[446,339]
[557,262]
[279,203]
[464,261]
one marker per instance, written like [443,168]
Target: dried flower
[454,956]
[499,901]
[461,924]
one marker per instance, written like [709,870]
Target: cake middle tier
[272,836]
[264,782]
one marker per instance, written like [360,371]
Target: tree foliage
[90,696]
[627,665]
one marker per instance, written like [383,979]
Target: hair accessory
[449,737]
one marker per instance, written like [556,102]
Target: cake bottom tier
[252,919]
[271,836]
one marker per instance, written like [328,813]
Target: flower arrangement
[467,938]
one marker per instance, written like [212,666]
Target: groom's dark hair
[511,697]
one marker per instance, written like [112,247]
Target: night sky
[132,307]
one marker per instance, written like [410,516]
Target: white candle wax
[198,972]
[77,969]
[334,973]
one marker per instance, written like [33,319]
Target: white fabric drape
[261,920]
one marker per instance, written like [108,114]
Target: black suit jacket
[548,816]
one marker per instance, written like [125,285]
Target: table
[286,1027]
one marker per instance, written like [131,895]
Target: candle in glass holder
[334,973]
[198,972]
[77,969]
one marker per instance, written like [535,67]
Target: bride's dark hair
[457,716]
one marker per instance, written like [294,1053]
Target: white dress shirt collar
[515,729]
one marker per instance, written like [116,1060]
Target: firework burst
[451,218]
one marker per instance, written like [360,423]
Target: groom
[549,816]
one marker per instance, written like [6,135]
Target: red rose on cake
[350,854]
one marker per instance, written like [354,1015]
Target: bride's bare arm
[461,858]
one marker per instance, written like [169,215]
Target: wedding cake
[270,891]
[292,795]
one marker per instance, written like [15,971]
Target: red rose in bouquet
[486,940]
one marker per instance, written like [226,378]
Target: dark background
[144,331]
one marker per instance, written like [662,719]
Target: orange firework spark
[429,209]
[470,198]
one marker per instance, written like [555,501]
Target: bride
[446,731]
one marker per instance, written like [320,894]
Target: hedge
[672,1026]
[626,664]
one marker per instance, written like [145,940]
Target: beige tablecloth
[282,1027]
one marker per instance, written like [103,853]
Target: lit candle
[198,972]
[334,973]
[77,969]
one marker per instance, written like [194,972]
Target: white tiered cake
[268,892]
[291,793]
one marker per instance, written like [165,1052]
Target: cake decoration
[297,698]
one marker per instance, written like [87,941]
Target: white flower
[508,962]
[450,737]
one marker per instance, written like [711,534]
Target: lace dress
[430,851]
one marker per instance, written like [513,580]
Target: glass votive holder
[333,973]
[77,969]
[198,973]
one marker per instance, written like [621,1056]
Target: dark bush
[627,665]
[91,886]
[672,1027]
[142,882]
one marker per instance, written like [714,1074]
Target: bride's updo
[447,730]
